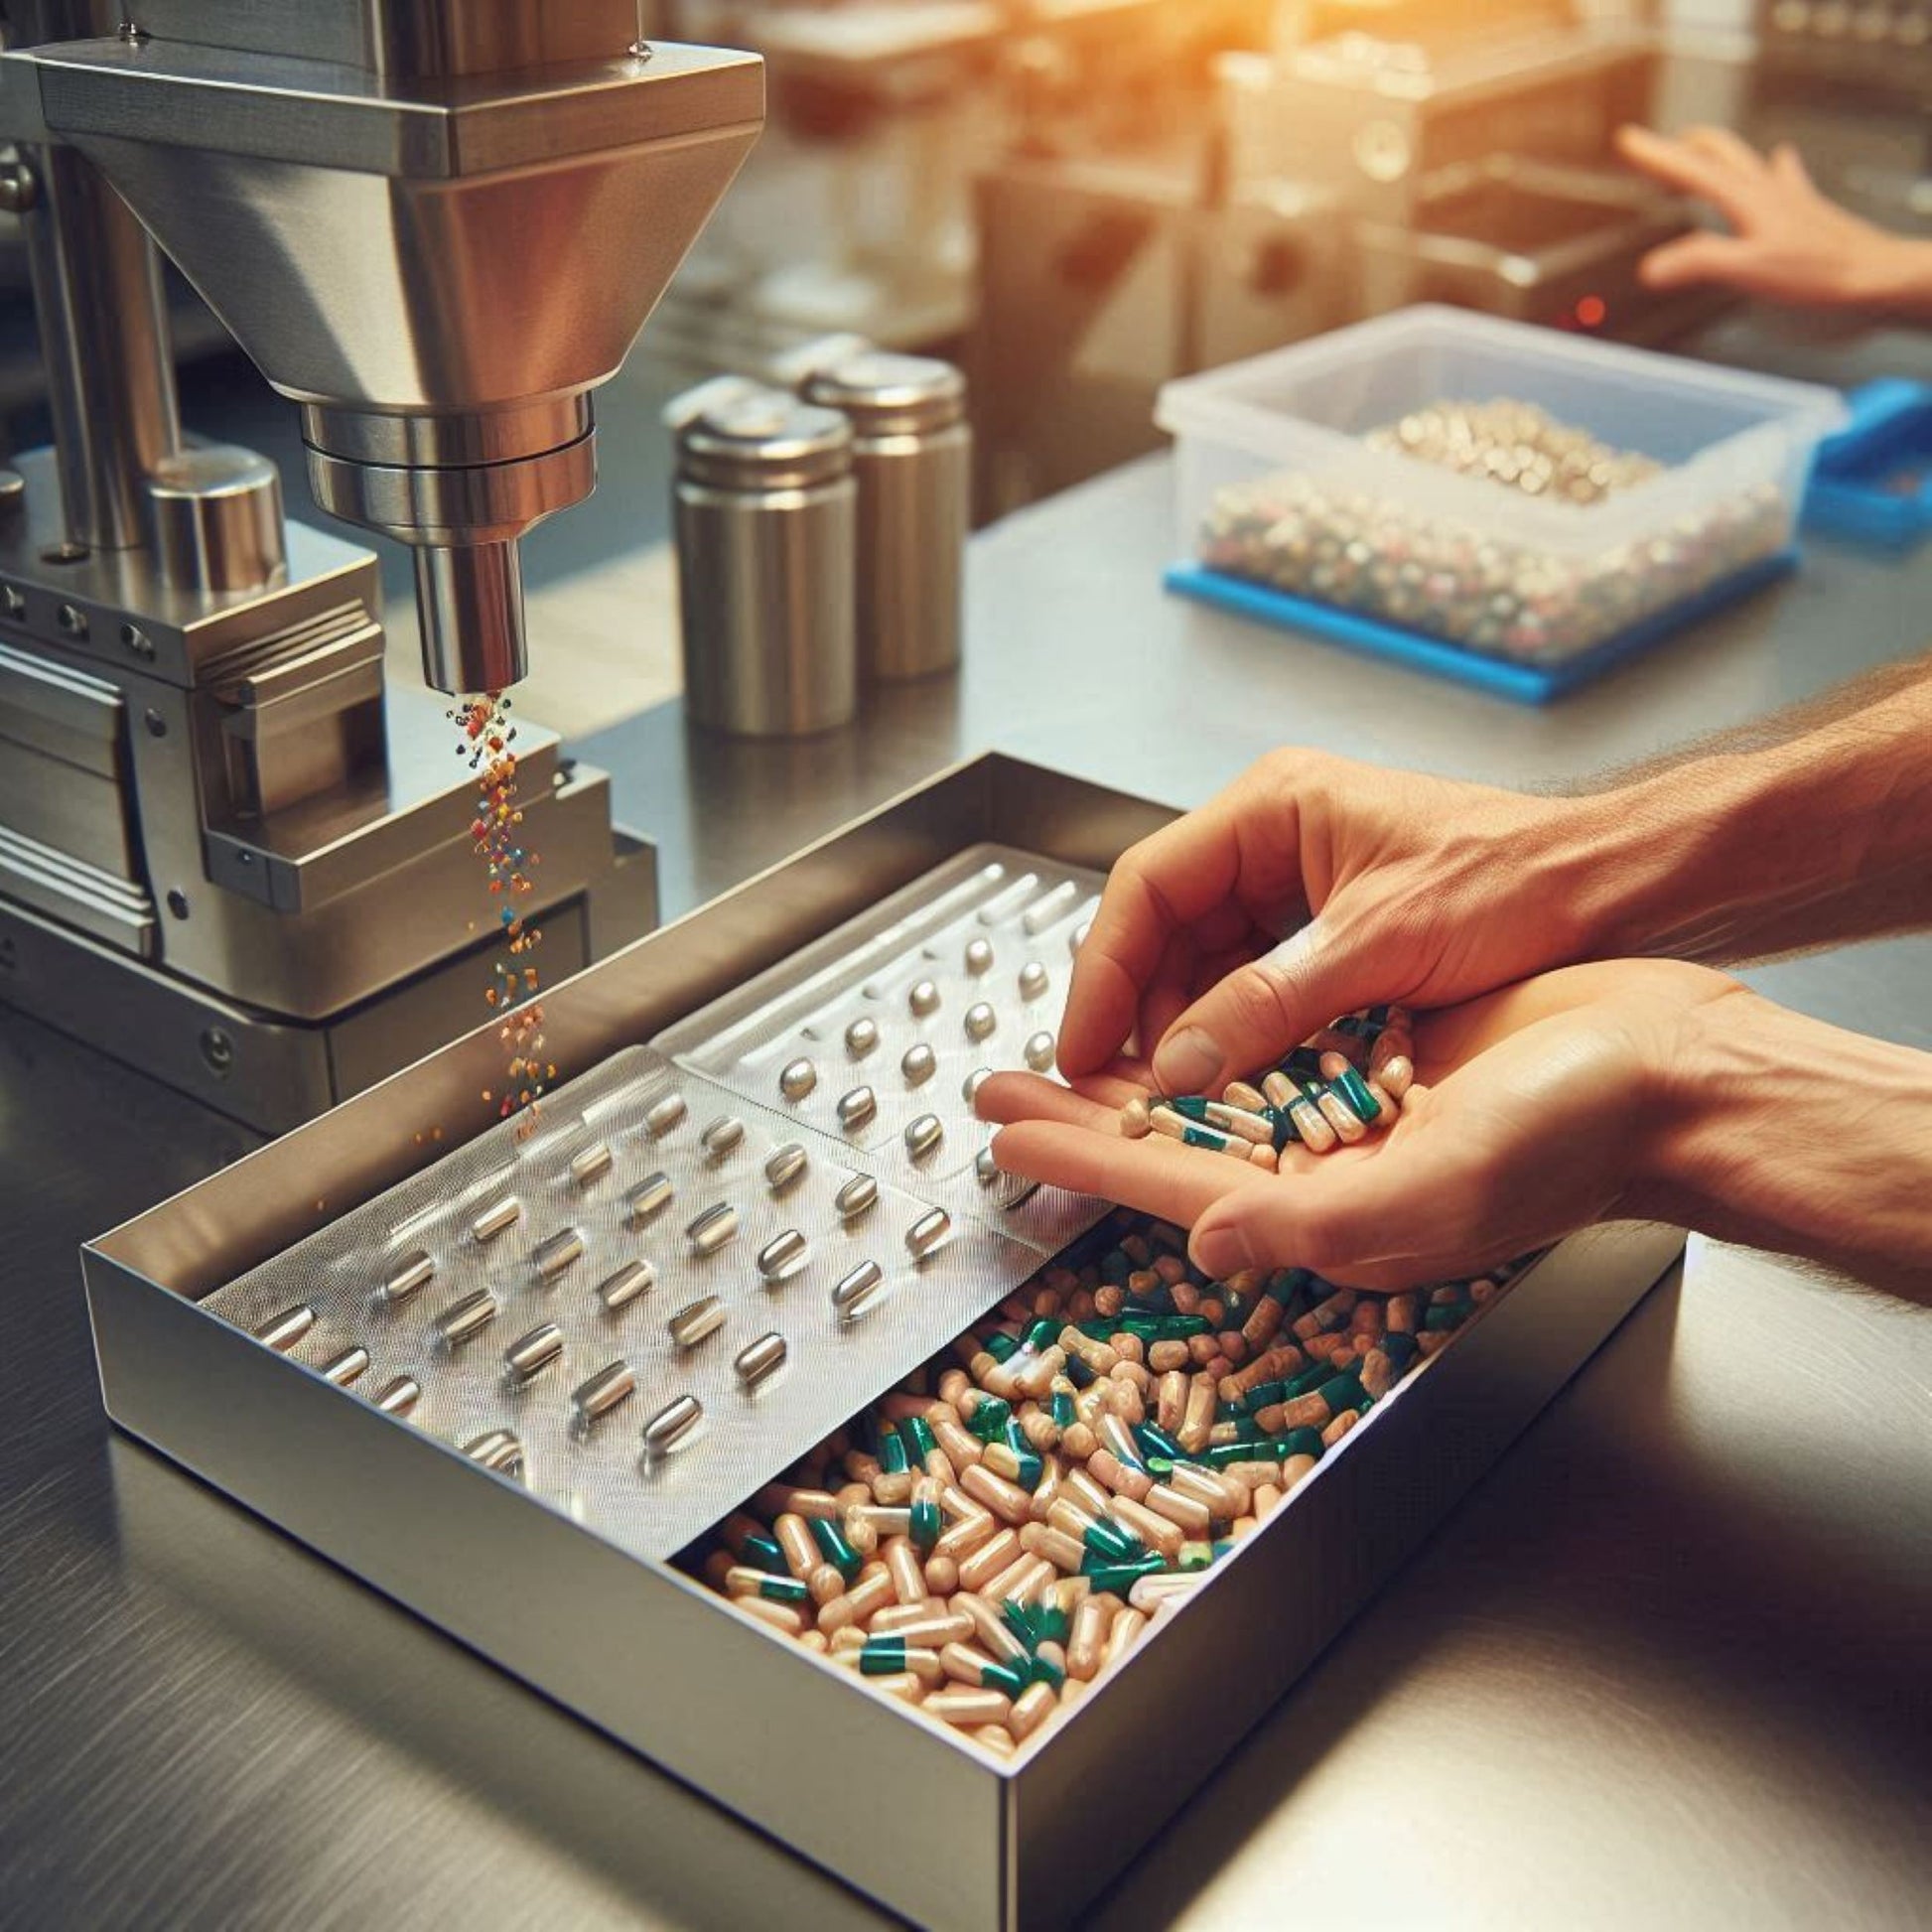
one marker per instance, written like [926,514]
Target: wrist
[1893,276]
[1781,1132]
[1619,870]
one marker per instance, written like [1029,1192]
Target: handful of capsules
[1332,1090]
[991,1538]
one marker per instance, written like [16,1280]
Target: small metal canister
[915,457]
[767,512]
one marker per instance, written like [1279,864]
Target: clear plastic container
[1277,484]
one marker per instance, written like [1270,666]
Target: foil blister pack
[652,1302]
[875,1036]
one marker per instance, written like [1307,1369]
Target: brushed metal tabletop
[1667,1666]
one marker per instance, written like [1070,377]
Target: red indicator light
[1591,311]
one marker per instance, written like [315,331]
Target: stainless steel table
[1667,1666]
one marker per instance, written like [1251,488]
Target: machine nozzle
[470,602]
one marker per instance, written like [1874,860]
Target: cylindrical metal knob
[912,458]
[469,603]
[765,512]
[217,520]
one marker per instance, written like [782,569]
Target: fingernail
[1222,1252]
[1187,1061]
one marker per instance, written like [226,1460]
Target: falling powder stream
[488,741]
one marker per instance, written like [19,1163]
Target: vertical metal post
[110,376]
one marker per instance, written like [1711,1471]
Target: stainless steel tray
[780,1736]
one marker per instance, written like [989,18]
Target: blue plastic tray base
[1524,683]
[1852,491]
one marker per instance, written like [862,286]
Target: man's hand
[1789,242]
[1536,1111]
[1412,889]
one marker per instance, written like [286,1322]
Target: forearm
[1783,1133]
[1807,831]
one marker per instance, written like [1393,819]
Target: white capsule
[980,1021]
[648,1199]
[590,1165]
[713,1228]
[979,956]
[860,1037]
[784,1254]
[1397,1075]
[464,1319]
[760,1359]
[724,1136]
[667,1114]
[799,1080]
[857,1197]
[924,999]
[919,1064]
[970,1087]
[923,1135]
[554,1256]
[697,1322]
[858,1288]
[1033,981]
[619,1290]
[856,1107]
[671,1425]
[1341,1117]
[347,1367]
[784,1166]
[927,1232]
[497,1449]
[1317,1135]
[409,1274]
[529,1353]
[1334,1065]
[494,1218]
[605,1390]
[1039,1052]
[1043,911]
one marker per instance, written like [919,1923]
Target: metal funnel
[438,257]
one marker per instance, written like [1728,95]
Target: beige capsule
[932,1631]
[994,1738]
[1007,1500]
[781,1616]
[777,1497]
[990,1630]
[1124,1634]
[998,1553]
[1064,1552]
[908,1573]
[969,1707]
[869,1595]
[1086,1644]
[1159,1533]
[970,1533]
[902,1685]
[1031,1708]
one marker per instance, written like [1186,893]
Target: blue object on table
[1873,480]
[1503,677]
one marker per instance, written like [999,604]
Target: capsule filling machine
[228,853]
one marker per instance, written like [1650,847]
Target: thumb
[1259,1011]
[1694,258]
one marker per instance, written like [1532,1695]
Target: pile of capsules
[990,1538]
[1451,579]
[1331,1091]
